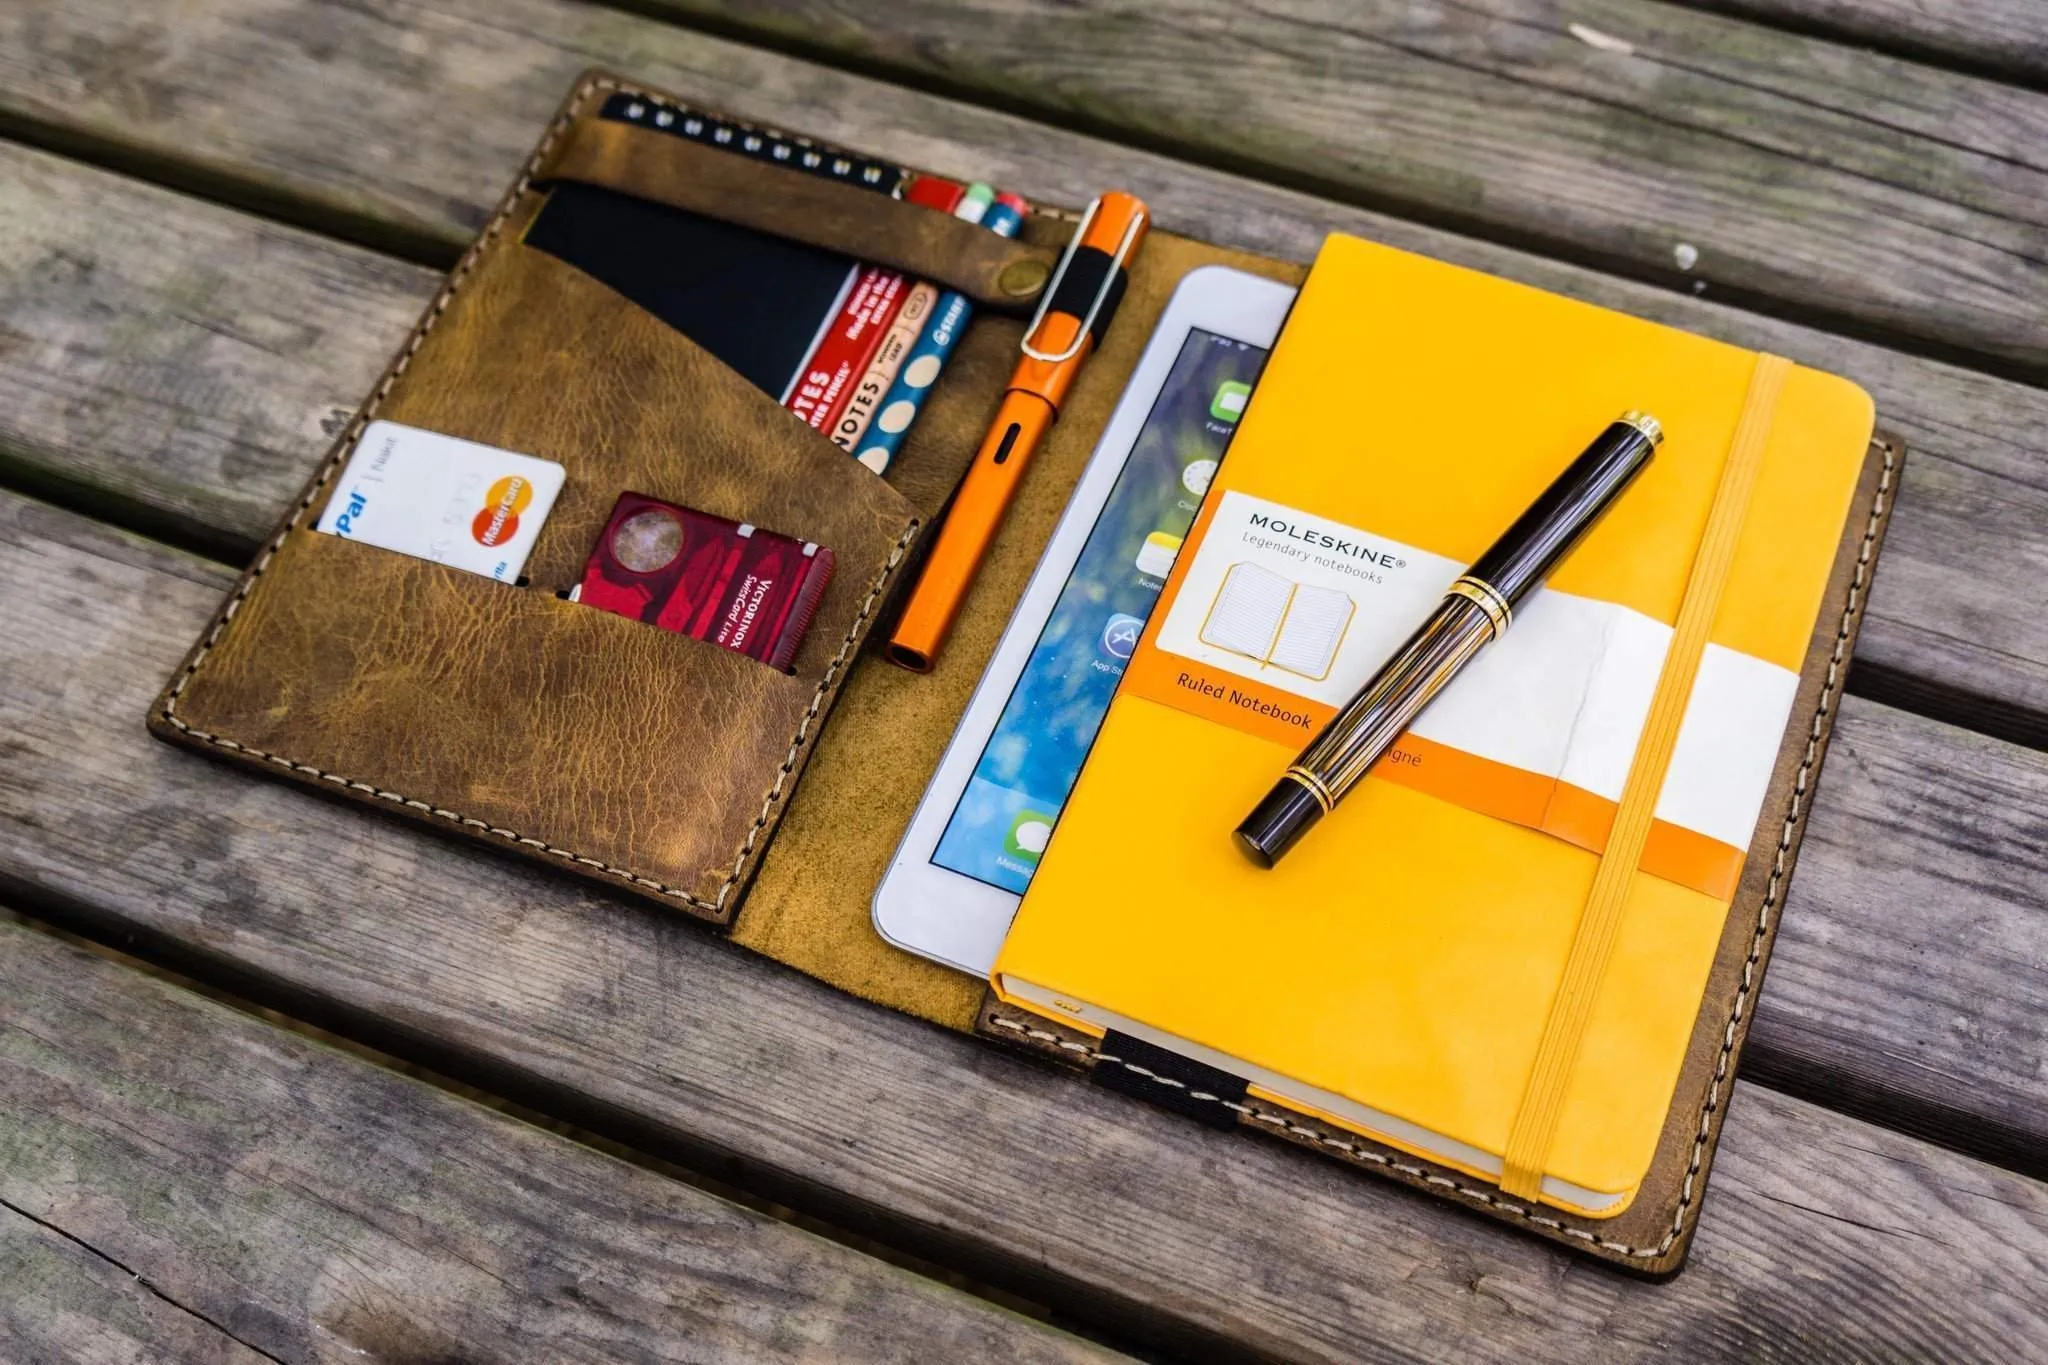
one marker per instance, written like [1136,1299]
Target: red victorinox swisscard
[707,577]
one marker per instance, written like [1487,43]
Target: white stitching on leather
[1688,1195]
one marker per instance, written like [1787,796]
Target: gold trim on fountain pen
[1315,787]
[1652,429]
[1475,611]
[1487,598]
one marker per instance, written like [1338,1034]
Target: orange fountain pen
[1079,302]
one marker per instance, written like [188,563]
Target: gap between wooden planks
[645,1027]
[1812,180]
[184,364]
[304,1204]
[1804,178]
[1998,39]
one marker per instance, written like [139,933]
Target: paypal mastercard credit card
[460,503]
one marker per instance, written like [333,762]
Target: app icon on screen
[1228,404]
[1195,477]
[1120,635]
[1027,835]
[1155,556]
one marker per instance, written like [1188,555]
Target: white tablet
[970,851]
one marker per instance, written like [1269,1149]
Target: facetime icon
[1228,404]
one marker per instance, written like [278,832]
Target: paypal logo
[345,523]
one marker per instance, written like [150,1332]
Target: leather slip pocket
[611,747]
[566,731]
[535,356]
[920,242]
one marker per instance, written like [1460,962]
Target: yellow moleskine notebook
[1396,972]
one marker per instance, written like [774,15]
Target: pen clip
[1052,289]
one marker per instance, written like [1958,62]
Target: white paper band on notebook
[1540,730]
[1528,1146]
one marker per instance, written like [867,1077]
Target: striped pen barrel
[1476,609]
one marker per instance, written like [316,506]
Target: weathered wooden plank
[1911,973]
[182,365]
[2005,39]
[1886,197]
[186,349]
[1664,143]
[65,1302]
[643,1026]
[314,1206]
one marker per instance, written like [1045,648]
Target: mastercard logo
[498,522]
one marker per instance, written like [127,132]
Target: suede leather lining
[810,903]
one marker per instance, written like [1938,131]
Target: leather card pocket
[611,747]
[535,356]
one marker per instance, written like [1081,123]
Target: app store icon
[1120,635]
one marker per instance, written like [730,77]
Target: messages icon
[1028,835]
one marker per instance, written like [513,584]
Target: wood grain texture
[641,1025]
[1834,183]
[186,347]
[63,1302]
[1891,198]
[2005,39]
[1911,972]
[1802,1195]
[316,1207]
[181,365]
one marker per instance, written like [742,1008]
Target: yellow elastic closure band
[1528,1148]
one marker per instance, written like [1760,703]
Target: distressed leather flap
[920,242]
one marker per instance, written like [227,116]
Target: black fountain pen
[1475,612]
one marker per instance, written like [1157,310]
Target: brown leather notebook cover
[705,781]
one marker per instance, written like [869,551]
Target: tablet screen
[1014,795]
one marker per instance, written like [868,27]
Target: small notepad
[1289,625]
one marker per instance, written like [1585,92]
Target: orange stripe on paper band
[1528,1146]
[1697,861]
[1485,785]
[1488,786]
[1694,860]
[1218,695]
